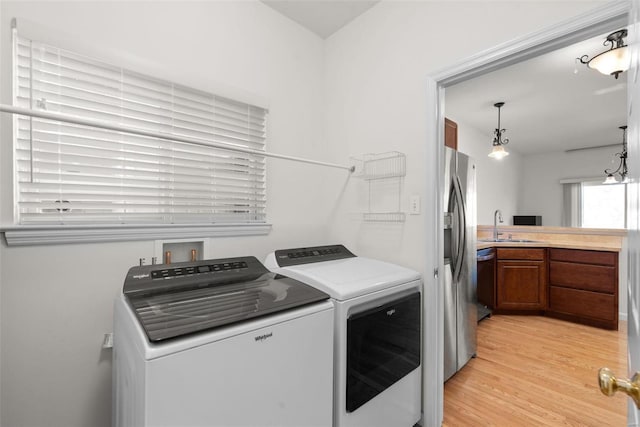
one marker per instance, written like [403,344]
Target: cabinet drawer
[585,257]
[521,253]
[587,304]
[583,276]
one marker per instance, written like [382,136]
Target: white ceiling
[548,107]
[323,17]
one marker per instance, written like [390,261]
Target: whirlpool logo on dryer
[264,337]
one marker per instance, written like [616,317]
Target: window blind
[72,174]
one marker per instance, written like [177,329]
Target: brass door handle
[609,384]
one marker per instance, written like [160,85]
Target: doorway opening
[564,34]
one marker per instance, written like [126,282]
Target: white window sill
[56,235]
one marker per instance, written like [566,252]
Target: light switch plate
[414,205]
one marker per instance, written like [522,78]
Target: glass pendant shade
[498,152]
[610,180]
[612,62]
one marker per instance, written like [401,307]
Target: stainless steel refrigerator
[460,275]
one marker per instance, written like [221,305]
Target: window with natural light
[68,174]
[603,206]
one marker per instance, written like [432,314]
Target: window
[589,203]
[68,174]
[603,206]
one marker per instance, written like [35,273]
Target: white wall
[497,180]
[57,300]
[540,188]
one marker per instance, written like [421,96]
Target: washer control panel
[195,269]
[297,256]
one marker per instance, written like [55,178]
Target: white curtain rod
[119,128]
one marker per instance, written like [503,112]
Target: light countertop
[554,237]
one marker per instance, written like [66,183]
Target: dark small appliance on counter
[527,220]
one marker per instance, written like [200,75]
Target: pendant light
[498,151]
[613,61]
[622,167]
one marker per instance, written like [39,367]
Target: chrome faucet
[497,216]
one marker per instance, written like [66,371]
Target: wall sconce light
[613,61]
[498,151]
[622,167]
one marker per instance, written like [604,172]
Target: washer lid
[179,299]
[350,277]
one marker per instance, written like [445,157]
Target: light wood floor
[538,371]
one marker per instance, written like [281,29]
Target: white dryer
[377,338]
[221,343]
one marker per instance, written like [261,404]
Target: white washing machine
[221,343]
[377,338]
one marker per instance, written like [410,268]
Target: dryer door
[383,345]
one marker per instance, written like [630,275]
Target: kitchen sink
[508,240]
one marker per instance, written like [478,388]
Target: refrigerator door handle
[454,218]
[461,225]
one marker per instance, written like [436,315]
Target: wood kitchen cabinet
[583,286]
[521,279]
[450,134]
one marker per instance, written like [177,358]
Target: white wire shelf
[380,166]
[384,174]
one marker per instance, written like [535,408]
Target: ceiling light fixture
[498,151]
[613,61]
[622,167]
